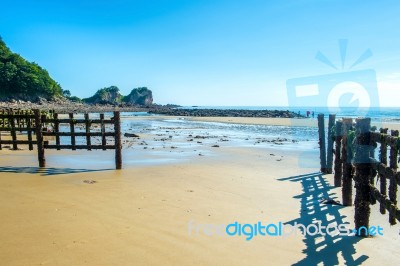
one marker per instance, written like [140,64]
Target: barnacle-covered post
[118,144]
[363,173]
[72,129]
[57,129]
[347,167]
[383,160]
[39,138]
[338,160]
[322,148]
[394,153]
[329,157]
[87,129]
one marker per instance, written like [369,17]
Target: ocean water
[240,134]
[170,139]
[384,114]
[177,132]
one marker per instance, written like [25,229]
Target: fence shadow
[323,249]
[47,171]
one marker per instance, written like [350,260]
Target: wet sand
[297,122]
[86,213]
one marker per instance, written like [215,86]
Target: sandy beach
[80,211]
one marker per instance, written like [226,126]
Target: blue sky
[223,52]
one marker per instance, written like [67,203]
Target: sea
[385,114]
[167,139]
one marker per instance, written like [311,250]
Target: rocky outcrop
[140,96]
[109,95]
[224,113]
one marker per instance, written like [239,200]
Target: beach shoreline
[79,210]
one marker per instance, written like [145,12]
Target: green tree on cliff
[20,79]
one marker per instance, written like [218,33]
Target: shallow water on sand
[167,140]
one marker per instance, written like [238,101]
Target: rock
[132,135]
[222,113]
[215,146]
[110,95]
[89,181]
[140,96]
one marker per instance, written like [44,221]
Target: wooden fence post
[118,144]
[322,148]
[393,181]
[362,177]
[29,127]
[11,121]
[39,139]
[103,131]
[57,129]
[338,160]
[329,154]
[72,129]
[87,127]
[383,160]
[1,125]
[347,167]
[373,172]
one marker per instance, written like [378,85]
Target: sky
[214,52]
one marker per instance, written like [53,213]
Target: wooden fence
[37,123]
[354,152]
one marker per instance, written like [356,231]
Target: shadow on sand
[47,171]
[320,249]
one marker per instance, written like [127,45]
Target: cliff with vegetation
[140,96]
[109,95]
[23,80]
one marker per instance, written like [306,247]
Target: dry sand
[140,215]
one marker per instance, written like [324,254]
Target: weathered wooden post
[347,167]
[1,125]
[383,160]
[87,129]
[103,132]
[39,138]
[338,160]
[118,144]
[373,172]
[329,154]
[72,129]
[11,120]
[57,129]
[322,148]
[393,180]
[30,128]
[362,177]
